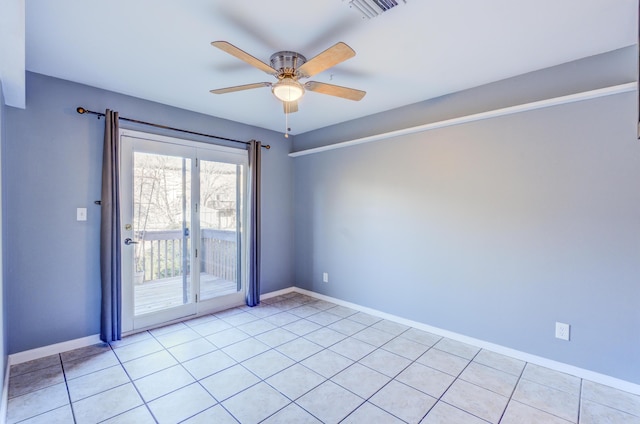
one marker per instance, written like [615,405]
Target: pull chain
[286,120]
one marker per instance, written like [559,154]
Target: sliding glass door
[220,237]
[182,219]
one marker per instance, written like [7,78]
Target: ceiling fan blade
[240,88]
[335,90]
[258,30]
[290,107]
[335,54]
[242,55]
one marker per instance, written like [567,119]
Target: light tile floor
[295,359]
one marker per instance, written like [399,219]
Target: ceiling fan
[289,67]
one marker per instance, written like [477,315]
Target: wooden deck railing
[159,254]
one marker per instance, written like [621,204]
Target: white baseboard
[523,356]
[278,293]
[41,352]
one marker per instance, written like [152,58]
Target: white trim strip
[523,356]
[277,293]
[571,98]
[41,352]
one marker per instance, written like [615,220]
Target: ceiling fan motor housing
[286,63]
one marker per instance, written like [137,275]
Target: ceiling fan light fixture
[288,89]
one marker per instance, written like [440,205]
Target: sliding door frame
[206,151]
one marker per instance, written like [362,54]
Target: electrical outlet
[325,277]
[562,331]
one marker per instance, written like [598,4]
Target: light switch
[81,214]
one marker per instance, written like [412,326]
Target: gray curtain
[253,291]
[110,245]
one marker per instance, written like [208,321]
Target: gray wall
[52,158]
[494,229]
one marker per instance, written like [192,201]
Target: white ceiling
[160,50]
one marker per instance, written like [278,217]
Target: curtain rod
[82,111]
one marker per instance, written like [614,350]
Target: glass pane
[219,228]
[161,224]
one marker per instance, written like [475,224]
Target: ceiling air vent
[372,8]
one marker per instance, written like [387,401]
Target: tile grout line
[296,362]
[552,388]
[376,348]
[60,363]
[393,378]
[132,383]
[220,349]
[196,380]
[412,361]
[513,392]
[66,384]
[415,361]
[580,399]
[453,382]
